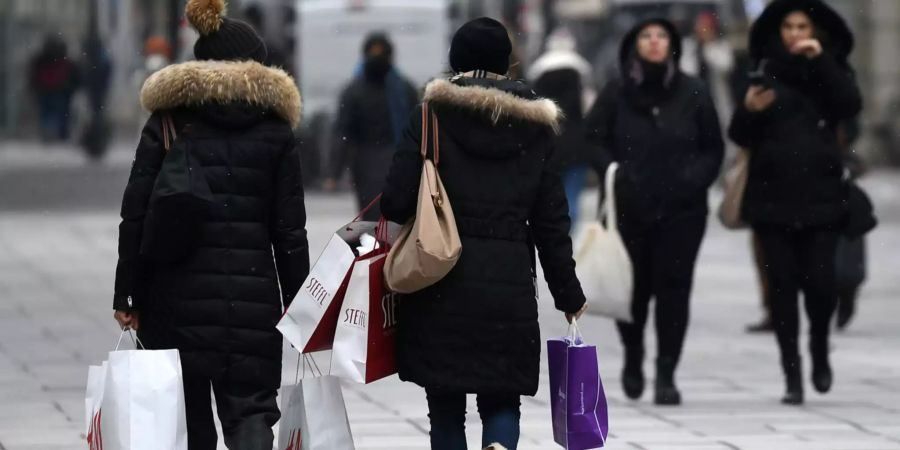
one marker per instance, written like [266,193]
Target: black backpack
[179,203]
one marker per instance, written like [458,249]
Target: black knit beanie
[221,38]
[481,44]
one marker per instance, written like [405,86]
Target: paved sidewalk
[56,276]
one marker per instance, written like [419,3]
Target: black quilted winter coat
[219,306]
[476,331]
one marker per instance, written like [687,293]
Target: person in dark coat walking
[54,79]
[219,305]
[476,331]
[373,110]
[795,198]
[564,76]
[661,127]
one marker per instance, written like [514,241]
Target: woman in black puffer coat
[660,125]
[476,331]
[219,305]
[796,198]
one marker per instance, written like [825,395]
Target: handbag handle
[168,130]
[608,208]
[435,143]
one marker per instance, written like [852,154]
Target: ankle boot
[822,376]
[633,373]
[666,392]
[793,377]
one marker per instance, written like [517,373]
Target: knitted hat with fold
[221,38]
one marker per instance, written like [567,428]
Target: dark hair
[375,39]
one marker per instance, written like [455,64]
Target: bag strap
[608,207]
[435,142]
[168,130]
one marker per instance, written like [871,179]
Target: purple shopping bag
[577,401]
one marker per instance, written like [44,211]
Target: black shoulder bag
[179,203]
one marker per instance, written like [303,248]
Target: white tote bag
[313,414]
[143,401]
[602,263]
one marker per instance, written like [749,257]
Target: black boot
[633,373]
[822,377]
[666,392]
[793,377]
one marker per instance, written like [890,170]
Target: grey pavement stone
[56,274]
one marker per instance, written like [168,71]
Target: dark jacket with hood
[795,165]
[368,128]
[477,329]
[220,305]
[661,126]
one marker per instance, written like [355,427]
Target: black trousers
[247,414]
[799,260]
[663,257]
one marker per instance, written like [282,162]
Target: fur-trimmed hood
[200,83]
[496,100]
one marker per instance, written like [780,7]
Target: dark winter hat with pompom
[481,44]
[221,38]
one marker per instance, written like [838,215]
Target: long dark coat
[668,143]
[219,306]
[795,176]
[477,331]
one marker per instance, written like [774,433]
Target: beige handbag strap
[168,130]
[436,146]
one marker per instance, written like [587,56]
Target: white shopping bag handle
[575,335]
[608,209]
[136,340]
[308,361]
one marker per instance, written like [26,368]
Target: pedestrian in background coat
[564,76]
[795,198]
[373,110]
[660,125]
[476,331]
[219,305]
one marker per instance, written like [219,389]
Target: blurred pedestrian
[97,69]
[54,78]
[157,55]
[564,76]
[795,198]
[219,302]
[476,331]
[256,17]
[661,126]
[708,55]
[373,111]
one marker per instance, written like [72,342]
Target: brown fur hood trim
[201,82]
[494,102]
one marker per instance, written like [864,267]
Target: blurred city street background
[60,191]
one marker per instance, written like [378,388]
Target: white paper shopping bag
[313,415]
[92,402]
[143,402]
[602,263]
[365,340]
[309,322]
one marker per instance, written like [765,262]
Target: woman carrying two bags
[661,127]
[476,330]
[245,257]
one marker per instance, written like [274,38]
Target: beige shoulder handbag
[428,246]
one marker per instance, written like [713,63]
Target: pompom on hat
[221,38]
